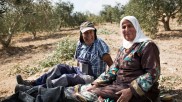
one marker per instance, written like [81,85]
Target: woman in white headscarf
[135,32]
[136,69]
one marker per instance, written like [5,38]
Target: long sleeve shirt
[91,56]
[138,68]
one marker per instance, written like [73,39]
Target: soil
[25,52]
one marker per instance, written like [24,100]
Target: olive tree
[39,17]
[112,14]
[63,11]
[11,15]
[151,12]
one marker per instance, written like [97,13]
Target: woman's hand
[126,95]
[91,87]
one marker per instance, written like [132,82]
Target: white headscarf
[140,37]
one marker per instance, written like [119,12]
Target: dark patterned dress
[137,68]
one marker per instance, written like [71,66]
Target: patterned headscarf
[140,37]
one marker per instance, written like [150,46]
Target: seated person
[92,55]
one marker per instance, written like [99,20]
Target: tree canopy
[151,12]
[41,15]
[112,14]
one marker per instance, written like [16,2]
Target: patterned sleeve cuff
[95,83]
[136,88]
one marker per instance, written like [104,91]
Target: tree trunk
[34,34]
[5,41]
[165,21]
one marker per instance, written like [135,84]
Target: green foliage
[2,7]
[65,51]
[10,22]
[27,70]
[65,16]
[112,14]
[77,19]
[29,16]
[150,12]
[94,18]
[39,17]
[146,16]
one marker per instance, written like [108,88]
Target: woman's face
[128,30]
[88,37]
